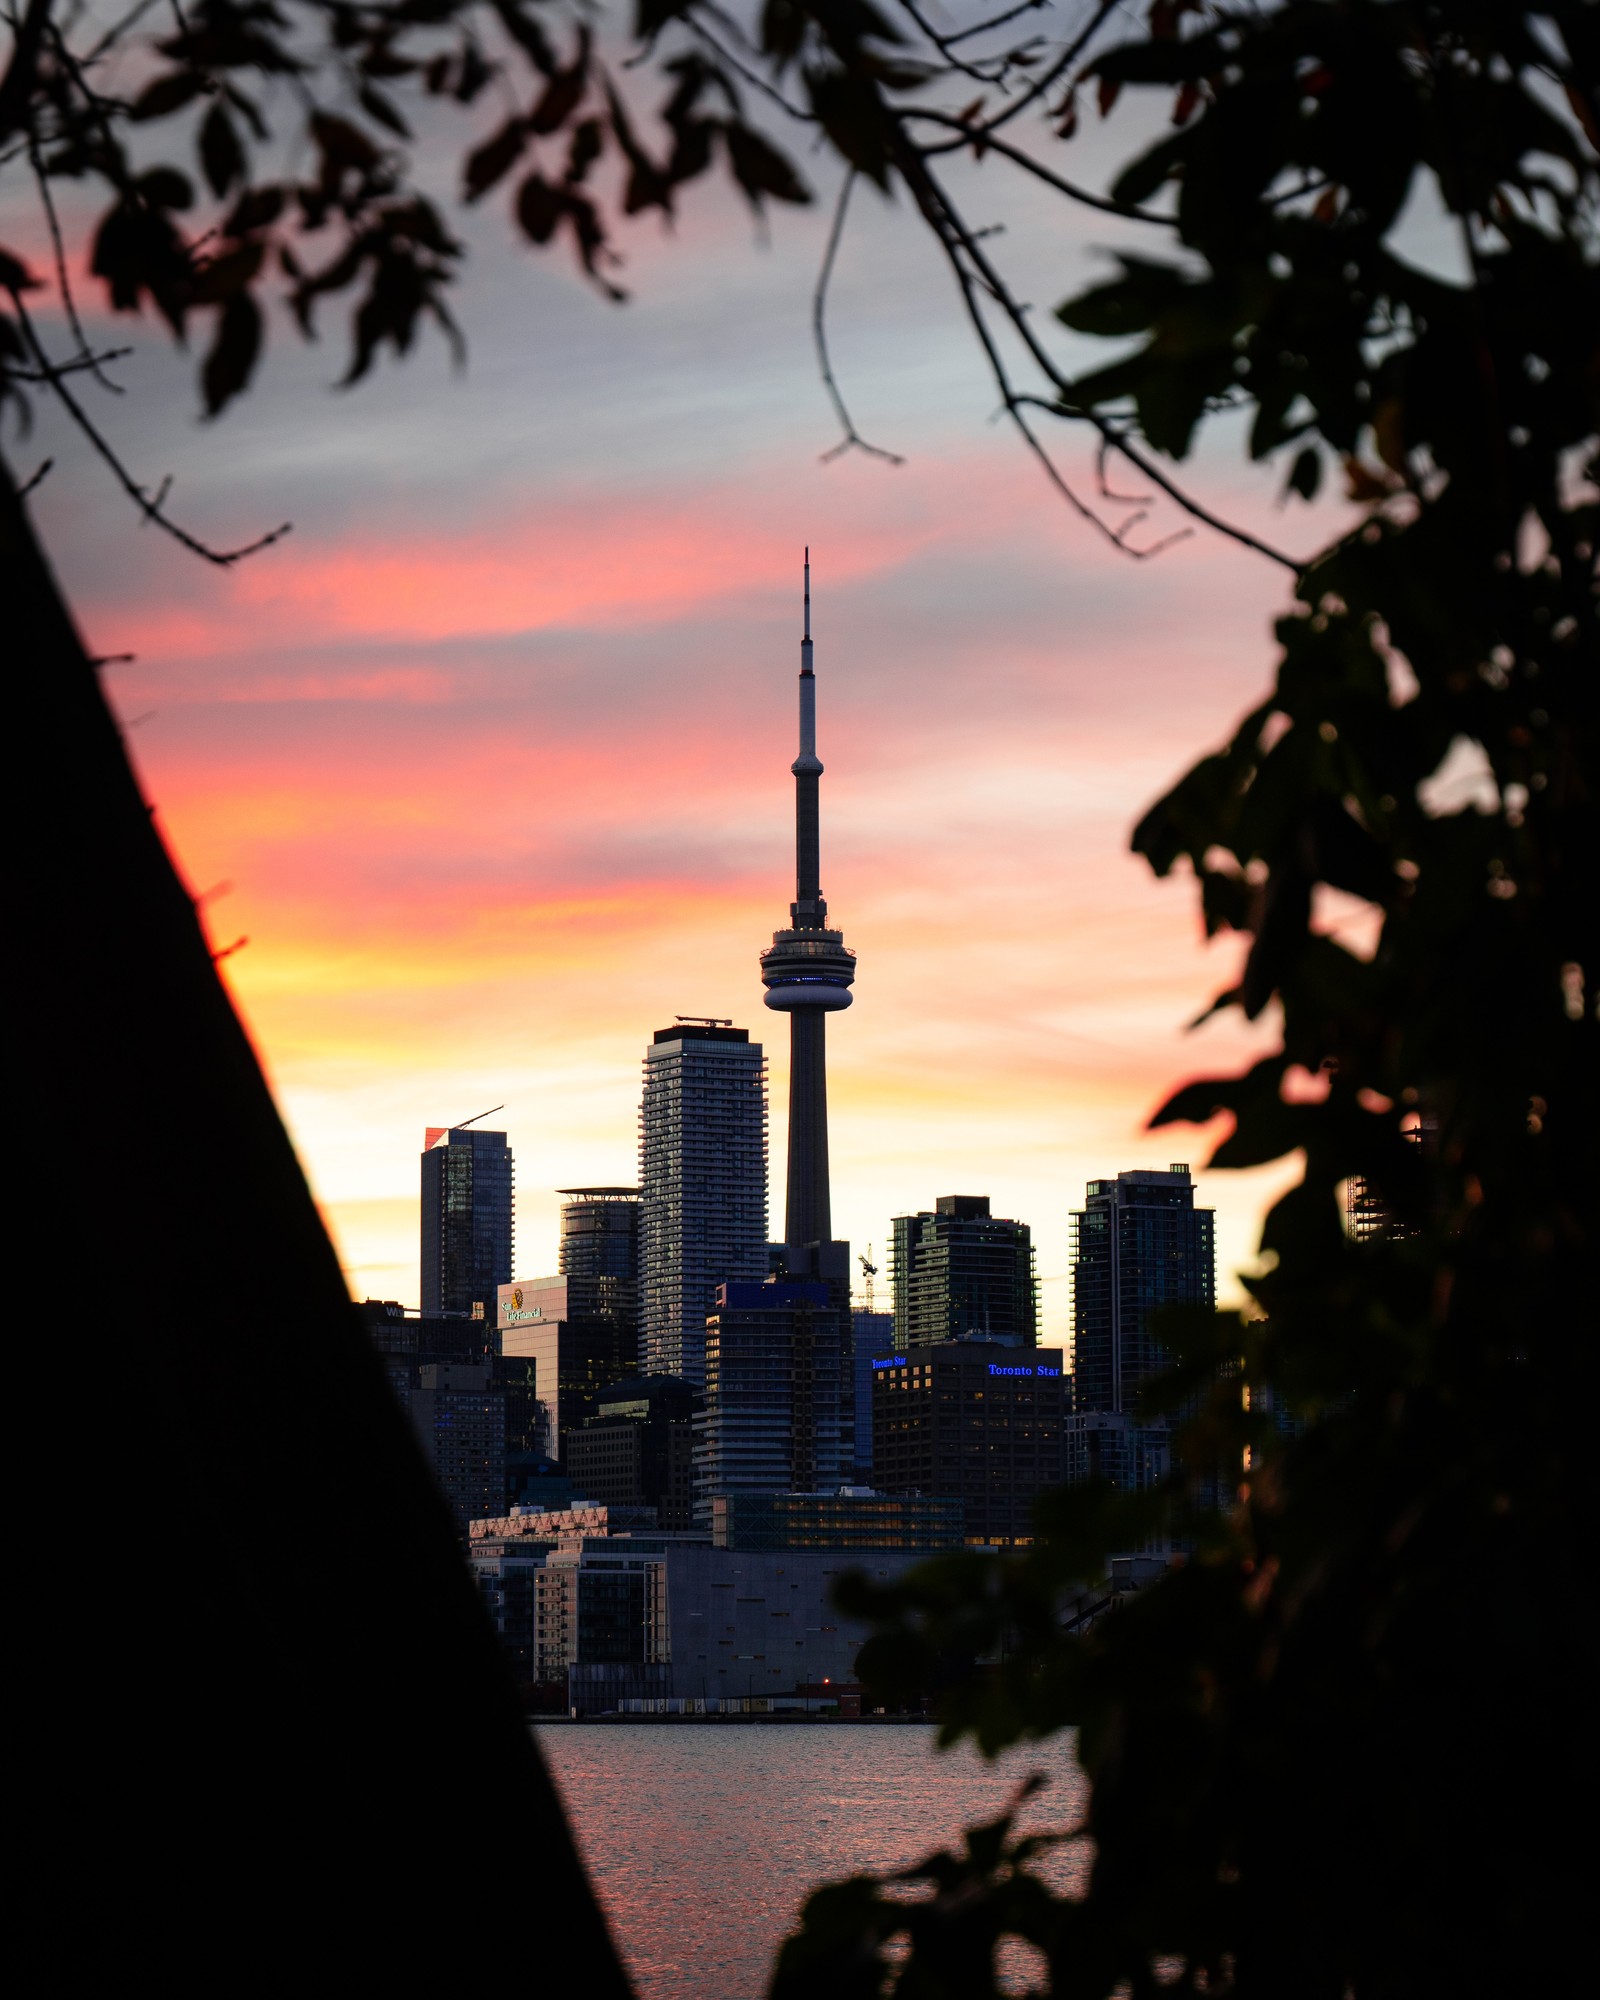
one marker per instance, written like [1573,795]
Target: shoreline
[580,1721]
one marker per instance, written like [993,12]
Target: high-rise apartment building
[780,1396]
[1138,1243]
[702,1185]
[599,1254]
[957,1271]
[466,1218]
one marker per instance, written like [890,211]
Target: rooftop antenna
[808,593]
[493,1108]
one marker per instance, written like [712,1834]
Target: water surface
[703,1839]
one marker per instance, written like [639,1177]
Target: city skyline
[482,763]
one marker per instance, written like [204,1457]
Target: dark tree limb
[151,507]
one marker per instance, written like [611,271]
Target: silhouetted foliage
[1333,1752]
[1330,1753]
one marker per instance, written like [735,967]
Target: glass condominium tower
[702,1185]
[466,1218]
[1138,1243]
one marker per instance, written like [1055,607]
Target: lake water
[703,1839]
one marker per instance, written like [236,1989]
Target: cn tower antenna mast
[808,974]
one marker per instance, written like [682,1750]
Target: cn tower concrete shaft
[808,973]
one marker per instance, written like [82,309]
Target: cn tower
[807,974]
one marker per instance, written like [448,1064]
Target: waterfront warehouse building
[466,1218]
[853,1520]
[957,1271]
[575,1358]
[977,1421]
[702,1185]
[599,1254]
[779,1393]
[598,1617]
[1137,1244]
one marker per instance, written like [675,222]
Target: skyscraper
[1138,1243]
[808,973]
[780,1399]
[466,1218]
[702,1184]
[599,1254]
[960,1271]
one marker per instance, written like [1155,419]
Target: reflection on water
[703,1839]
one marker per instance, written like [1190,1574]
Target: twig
[977,137]
[63,278]
[930,200]
[28,485]
[995,285]
[996,21]
[118,29]
[819,309]
[752,77]
[945,44]
[1058,68]
[151,509]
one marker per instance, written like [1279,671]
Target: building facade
[702,1186]
[445,1375]
[957,1271]
[779,1393]
[1138,1243]
[851,1520]
[873,1333]
[599,1254]
[467,1186]
[637,1449]
[975,1421]
[575,1359]
[602,1613]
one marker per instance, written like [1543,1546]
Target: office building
[856,1520]
[575,1358]
[873,1335]
[977,1421]
[466,1218]
[779,1393]
[443,1372]
[1138,1244]
[599,1254]
[637,1450]
[702,1185]
[957,1271]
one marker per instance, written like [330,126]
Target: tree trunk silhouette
[284,1738]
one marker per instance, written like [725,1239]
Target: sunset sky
[489,760]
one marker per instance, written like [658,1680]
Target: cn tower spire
[808,973]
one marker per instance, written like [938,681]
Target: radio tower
[807,974]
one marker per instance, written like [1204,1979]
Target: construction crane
[869,1271]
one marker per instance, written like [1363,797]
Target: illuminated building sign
[993,1370]
[893,1361]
